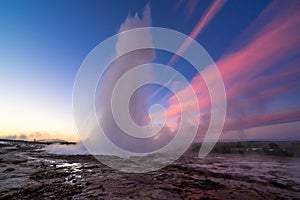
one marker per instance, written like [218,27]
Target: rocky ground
[28,172]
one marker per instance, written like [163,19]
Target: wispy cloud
[204,20]
[210,13]
[30,136]
[255,72]
[191,7]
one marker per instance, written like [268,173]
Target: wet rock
[245,167]
[58,191]
[9,169]
[45,176]
[279,185]
[41,175]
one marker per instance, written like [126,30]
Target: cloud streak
[256,72]
[211,12]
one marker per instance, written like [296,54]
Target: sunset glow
[258,60]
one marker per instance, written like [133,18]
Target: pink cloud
[191,6]
[205,19]
[262,119]
[177,5]
[276,41]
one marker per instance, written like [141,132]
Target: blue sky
[42,44]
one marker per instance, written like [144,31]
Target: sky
[255,45]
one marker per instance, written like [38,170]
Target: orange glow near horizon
[29,123]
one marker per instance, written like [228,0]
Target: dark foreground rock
[27,172]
